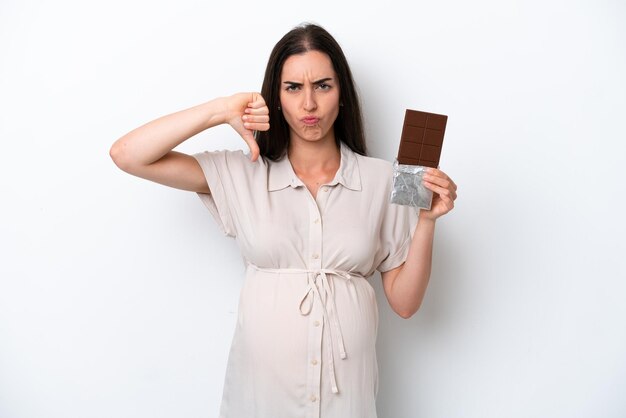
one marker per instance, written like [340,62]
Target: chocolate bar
[422,138]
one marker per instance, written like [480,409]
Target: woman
[311,214]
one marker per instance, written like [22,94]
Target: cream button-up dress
[304,343]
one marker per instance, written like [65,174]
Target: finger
[444,200]
[443,192]
[254,152]
[252,145]
[253,126]
[452,193]
[437,172]
[438,180]
[255,118]
[256,101]
[257,111]
[452,183]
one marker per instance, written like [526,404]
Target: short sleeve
[221,170]
[398,227]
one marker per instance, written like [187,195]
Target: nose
[309,100]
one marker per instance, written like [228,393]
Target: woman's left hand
[444,193]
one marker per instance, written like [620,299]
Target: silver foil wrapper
[408,187]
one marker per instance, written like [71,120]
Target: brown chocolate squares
[422,138]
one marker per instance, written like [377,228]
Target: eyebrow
[323,80]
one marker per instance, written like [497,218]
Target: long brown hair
[348,126]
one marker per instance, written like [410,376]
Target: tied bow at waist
[320,286]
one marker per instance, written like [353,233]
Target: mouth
[310,120]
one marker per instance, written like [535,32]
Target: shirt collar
[281,172]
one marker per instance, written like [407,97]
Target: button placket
[316,323]
[315,238]
[314,371]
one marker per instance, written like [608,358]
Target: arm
[405,286]
[147,151]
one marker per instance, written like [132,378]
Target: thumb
[248,136]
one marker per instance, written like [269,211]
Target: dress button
[316,256]
[325,189]
[316,221]
[313,398]
[316,323]
[314,362]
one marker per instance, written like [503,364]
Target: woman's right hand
[247,112]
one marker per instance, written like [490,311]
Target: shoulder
[231,160]
[374,169]
[235,155]
[374,163]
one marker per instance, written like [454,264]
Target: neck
[309,157]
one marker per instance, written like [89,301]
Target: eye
[324,86]
[292,87]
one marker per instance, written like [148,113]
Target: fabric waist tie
[319,285]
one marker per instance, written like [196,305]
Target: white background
[118,296]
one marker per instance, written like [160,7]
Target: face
[309,96]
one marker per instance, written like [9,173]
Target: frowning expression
[309,96]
